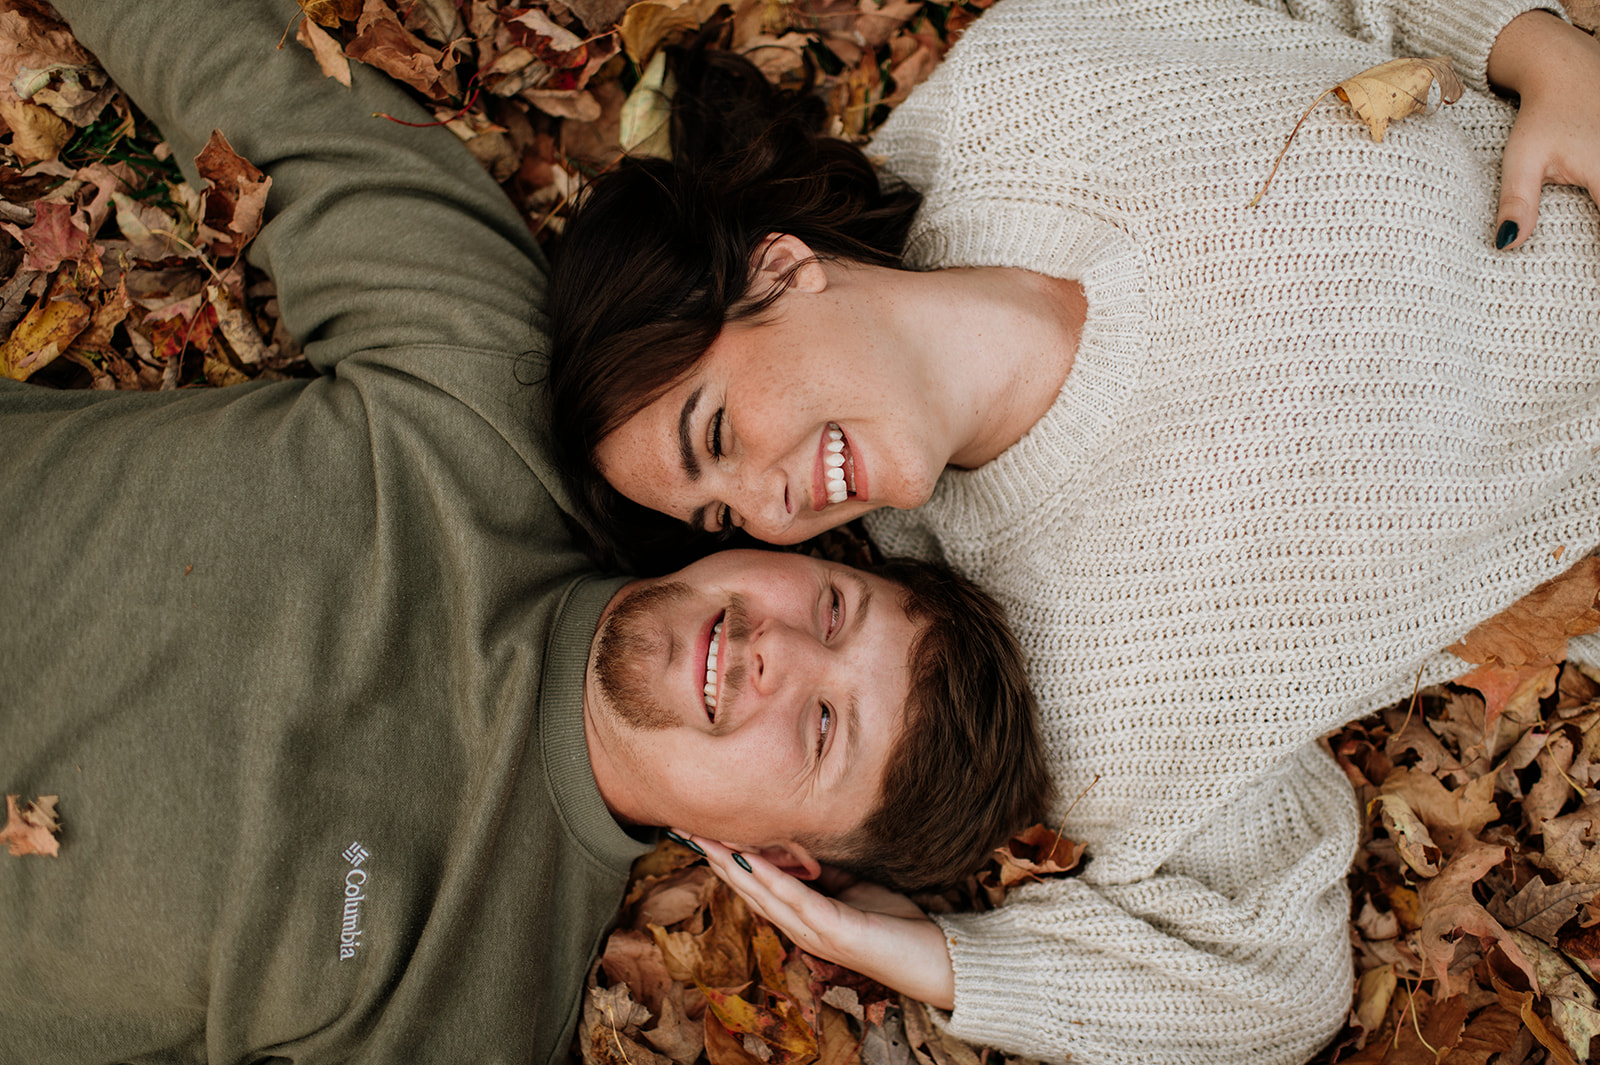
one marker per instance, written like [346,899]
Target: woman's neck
[997,343]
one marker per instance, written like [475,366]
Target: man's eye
[824,726]
[834,611]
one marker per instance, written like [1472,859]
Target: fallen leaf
[1410,835]
[1541,909]
[331,12]
[237,198]
[1448,906]
[31,827]
[328,53]
[43,334]
[1385,93]
[37,133]
[1534,630]
[1032,854]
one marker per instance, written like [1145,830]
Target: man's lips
[703,647]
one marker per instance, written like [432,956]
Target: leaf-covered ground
[1476,917]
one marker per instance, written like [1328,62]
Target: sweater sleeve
[379,235]
[1236,952]
[1464,30]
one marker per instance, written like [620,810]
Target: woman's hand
[1555,69]
[863,926]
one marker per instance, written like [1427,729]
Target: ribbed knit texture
[1303,447]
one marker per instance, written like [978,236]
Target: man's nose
[780,658]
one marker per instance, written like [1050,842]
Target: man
[309,663]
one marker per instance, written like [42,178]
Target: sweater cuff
[1467,31]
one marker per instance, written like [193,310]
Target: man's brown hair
[968,770]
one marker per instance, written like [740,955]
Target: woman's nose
[767,507]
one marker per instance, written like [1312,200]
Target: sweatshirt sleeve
[1463,30]
[379,235]
[1236,952]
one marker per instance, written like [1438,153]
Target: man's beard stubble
[632,640]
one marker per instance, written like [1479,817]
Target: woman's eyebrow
[691,464]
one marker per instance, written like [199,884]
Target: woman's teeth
[711,667]
[834,462]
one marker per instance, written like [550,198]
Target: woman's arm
[1554,69]
[1237,950]
[379,235]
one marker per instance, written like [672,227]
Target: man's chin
[631,653]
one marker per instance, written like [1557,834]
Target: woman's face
[788,426]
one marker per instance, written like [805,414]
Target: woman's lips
[839,474]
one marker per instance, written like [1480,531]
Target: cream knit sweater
[1303,447]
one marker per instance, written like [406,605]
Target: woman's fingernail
[1507,234]
[691,844]
[742,862]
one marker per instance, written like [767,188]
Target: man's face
[807,690]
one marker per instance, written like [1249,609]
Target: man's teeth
[711,667]
[833,459]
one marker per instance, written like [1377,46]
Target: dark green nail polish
[674,837]
[742,862]
[1507,234]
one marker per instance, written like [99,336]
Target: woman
[1238,473]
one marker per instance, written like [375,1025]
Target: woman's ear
[786,259]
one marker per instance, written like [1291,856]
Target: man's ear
[786,259]
[789,856]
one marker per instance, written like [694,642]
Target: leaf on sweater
[31,827]
[236,199]
[1383,94]
[381,41]
[1032,854]
[328,53]
[331,12]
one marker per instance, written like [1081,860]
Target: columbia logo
[355,854]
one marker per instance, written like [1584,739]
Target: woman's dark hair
[657,259]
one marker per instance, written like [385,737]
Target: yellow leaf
[1383,94]
[1391,91]
[43,333]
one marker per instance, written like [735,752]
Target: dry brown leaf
[1448,906]
[330,13]
[1572,847]
[237,198]
[1410,835]
[1034,853]
[649,24]
[1534,630]
[1391,91]
[1540,909]
[328,53]
[1385,93]
[31,827]
[37,133]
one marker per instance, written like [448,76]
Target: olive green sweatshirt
[304,660]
